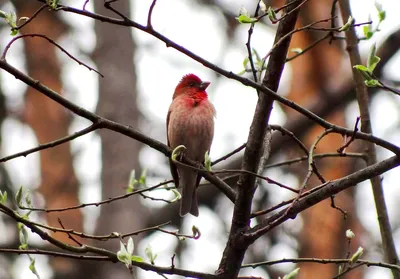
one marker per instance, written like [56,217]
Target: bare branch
[52,144]
[363,103]
[3,56]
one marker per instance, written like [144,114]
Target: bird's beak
[204,85]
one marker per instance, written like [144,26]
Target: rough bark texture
[59,185]
[114,56]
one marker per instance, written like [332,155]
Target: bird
[190,122]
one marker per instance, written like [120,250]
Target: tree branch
[389,247]
[260,87]
[331,188]
[235,248]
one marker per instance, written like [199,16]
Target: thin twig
[230,154]
[31,18]
[55,143]
[389,247]
[149,15]
[3,56]
[321,261]
[97,204]
[268,180]
[229,74]
[316,156]
[348,142]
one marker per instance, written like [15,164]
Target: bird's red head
[190,85]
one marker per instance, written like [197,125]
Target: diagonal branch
[104,123]
[389,247]
[235,249]
[75,135]
[99,251]
[331,188]
[260,87]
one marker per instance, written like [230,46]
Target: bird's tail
[188,179]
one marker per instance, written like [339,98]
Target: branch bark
[235,248]
[363,103]
[325,192]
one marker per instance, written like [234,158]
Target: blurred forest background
[140,74]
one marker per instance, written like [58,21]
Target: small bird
[190,122]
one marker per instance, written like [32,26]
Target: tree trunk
[316,71]
[50,121]
[114,56]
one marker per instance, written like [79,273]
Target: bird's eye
[191,84]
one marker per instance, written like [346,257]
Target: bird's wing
[174,171]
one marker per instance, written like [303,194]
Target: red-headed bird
[190,122]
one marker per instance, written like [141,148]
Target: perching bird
[190,122]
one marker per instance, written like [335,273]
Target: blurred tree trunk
[114,56]
[50,121]
[323,234]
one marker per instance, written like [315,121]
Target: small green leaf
[53,3]
[150,255]
[132,181]
[255,53]
[123,257]
[18,196]
[23,236]
[246,19]
[3,14]
[178,195]
[142,178]
[207,161]
[137,259]
[122,248]
[382,16]
[371,54]
[177,151]
[292,274]
[364,71]
[132,177]
[372,60]
[272,15]
[3,197]
[372,83]
[28,199]
[381,12]
[148,251]
[32,267]
[361,68]
[356,255]
[245,61]
[196,232]
[369,35]
[367,30]
[348,24]
[241,72]
[130,246]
